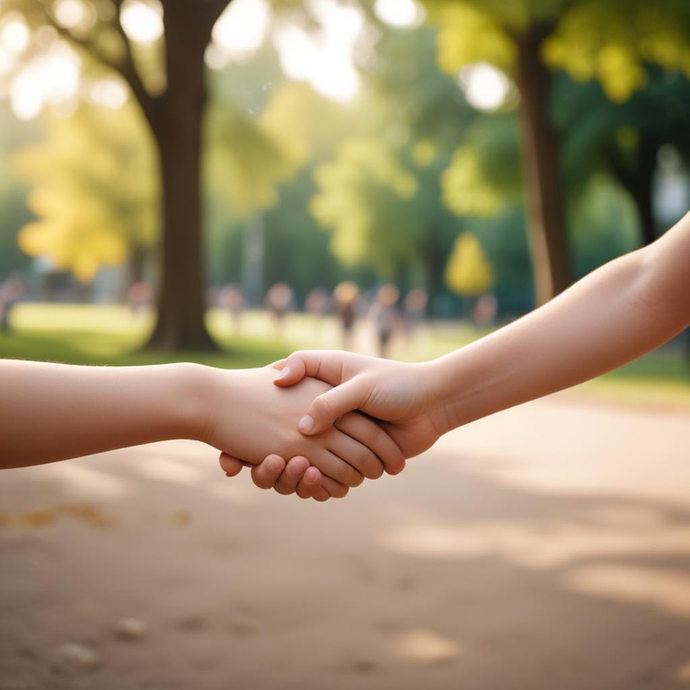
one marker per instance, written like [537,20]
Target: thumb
[331,405]
[325,365]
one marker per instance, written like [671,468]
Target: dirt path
[546,548]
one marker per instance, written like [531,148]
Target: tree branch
[126,69]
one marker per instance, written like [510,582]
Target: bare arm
[612,316]
[51,412]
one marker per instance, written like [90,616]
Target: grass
[110,335]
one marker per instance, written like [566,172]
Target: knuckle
[371,467]
[321,407]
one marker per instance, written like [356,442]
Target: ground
[545,547]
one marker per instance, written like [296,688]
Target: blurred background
[168,189]
[225,182]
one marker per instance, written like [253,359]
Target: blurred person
[10,293]
[231,300]
[53,412]
[316,304]
[139,296]
[385,316]
[614,315]
[279,300]
[414,313]
[485,310]
[346,297]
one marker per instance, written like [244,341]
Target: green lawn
[90,334]
[93,334]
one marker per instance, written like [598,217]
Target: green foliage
[469,273]
[365,199]
[484,174]
[94,190]
[603,224]
[14,216]
[246,160]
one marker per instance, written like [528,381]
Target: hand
[399,394]
[295,476]
[249,418]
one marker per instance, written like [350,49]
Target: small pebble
[72,658]
[131,629]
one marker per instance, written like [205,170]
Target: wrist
[441,384]
[191,404]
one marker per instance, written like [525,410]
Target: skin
[616,314]
[54,412]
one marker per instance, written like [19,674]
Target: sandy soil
[546,548]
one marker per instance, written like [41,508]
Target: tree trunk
[639,182]
[435,257]
[177,127]
[543,189]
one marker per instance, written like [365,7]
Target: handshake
[319,423]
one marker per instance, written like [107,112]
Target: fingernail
[306,424]
[283,374]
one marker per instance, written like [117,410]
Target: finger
[332,404]
[324,365]
[356,454]
[321,495]
[369,433]
[266,474]
[335,467]
[279,365]
[333,488]
[294,471]
[232,466]
[310,483]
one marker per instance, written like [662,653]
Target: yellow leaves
[424,153]
[620,72]
[94,192]
[466,192]
[613,41]
[75,249]
[367,157]
[362,198]
[247,160]
[468,35]
[469,272]
[306,121]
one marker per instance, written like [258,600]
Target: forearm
[614,315]
[51,412]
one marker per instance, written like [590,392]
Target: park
[217,185]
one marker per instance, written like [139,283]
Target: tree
[509,36]
[527,38]
[365,198]
[623,138]
[168,83]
